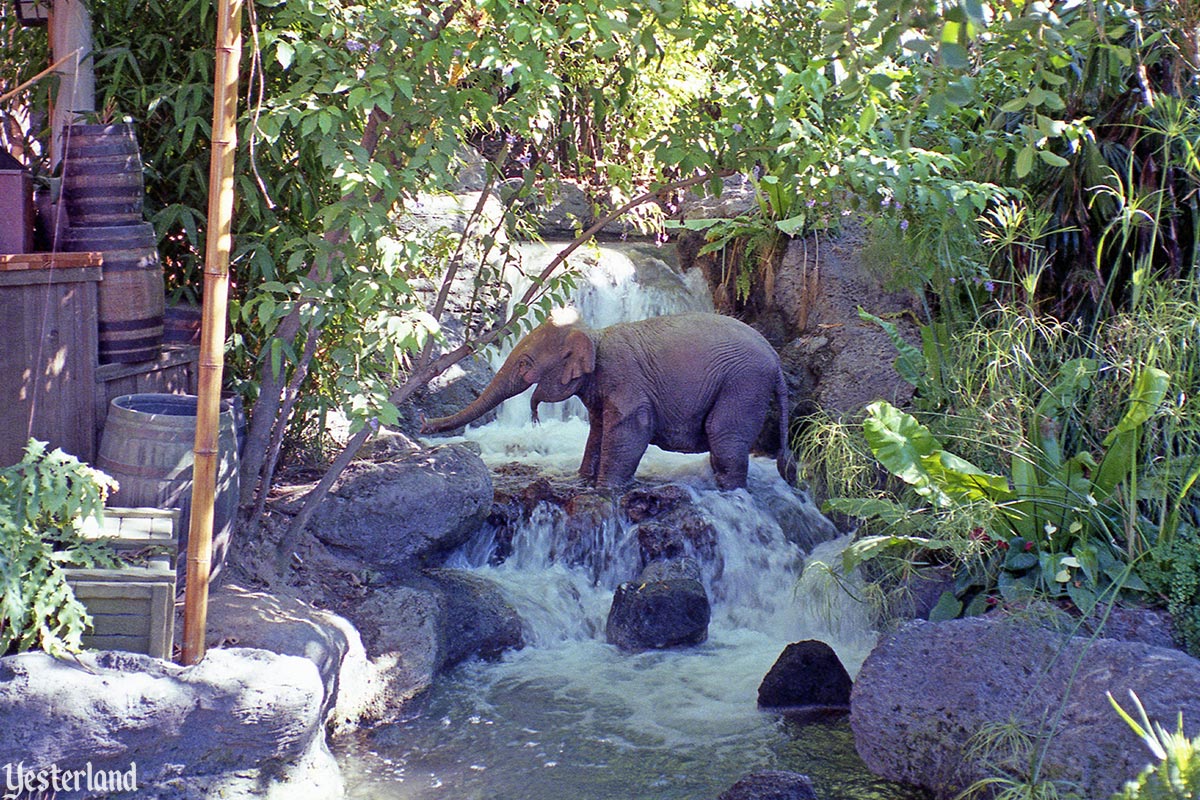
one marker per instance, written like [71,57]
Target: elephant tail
[785,461]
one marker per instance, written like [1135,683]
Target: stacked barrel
[103,191]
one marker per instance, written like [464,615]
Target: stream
[570,717]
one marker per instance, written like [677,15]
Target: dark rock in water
[771,785]
[588,514]
[652,613]
[684,531]
[643,504]
[477,621]
[382,514]
[927,690]
[430,623]
[677,569]
[807,673]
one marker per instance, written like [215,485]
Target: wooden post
[70,35]
[212,326]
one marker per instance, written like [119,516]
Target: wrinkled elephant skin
[688,383]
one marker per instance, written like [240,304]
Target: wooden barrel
[132,297]
[147,446]
[102,175]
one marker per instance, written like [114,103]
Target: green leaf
[911,363]
[284,53]
[948,607]
[1149,389]
[1025,161]
[900,443]
[1053,159]
[955,56]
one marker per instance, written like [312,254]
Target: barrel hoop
[129,324]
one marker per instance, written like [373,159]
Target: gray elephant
[688,383]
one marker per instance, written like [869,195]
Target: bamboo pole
[212,326]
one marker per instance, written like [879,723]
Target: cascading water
[570,716]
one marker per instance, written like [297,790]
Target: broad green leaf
[1149,389]
[948,607]
[910,364]
[900,443]
[1025,161]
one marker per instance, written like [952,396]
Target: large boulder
[408,511]
[665,607]
[807,673]
[771,785]
[927,694]
[477,620]
[401,629]
[433,621]
[240,724]
[238,617]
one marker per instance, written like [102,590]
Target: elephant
[688,383]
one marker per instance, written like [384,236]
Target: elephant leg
[591,452]
[623,443]
[732,426]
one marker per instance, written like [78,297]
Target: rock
[653,501]
[771,785]
[589,515]
[738,196]
[401,629]
[409,511]
[435,620]
[926,691]
[472,171]
[454,389]
[290,627]
[561,209]
[682,532]
[236,725]
[801,521]
[676,569]
[807,673]
[649,614]
[477,621]
[1147,625]
[818,289]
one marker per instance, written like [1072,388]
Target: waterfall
[571,716]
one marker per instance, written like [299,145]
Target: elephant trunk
[504,385]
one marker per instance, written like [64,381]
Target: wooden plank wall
[48,359]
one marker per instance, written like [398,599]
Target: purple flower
[737,128]
[885,202]
[989,287]
[355,47]
[953,280]
[811,202]
[903,224]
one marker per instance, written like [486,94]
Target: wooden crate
[140,532]
[132,608]
[48,360]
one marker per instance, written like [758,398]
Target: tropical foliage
[45,499]
[1030,167]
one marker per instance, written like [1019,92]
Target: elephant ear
[580,355]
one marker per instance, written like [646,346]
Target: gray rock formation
[807,673]
[406,511]
[238,617]
[928,693]
[771,785]
[240,724]
[664,607]
[433,621]
[819,287]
